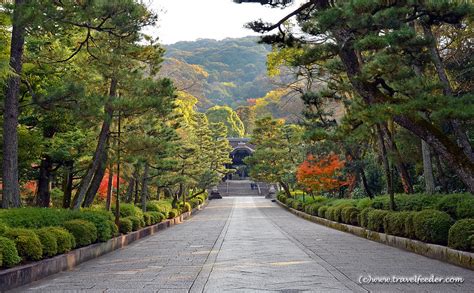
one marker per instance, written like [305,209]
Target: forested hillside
[226,72]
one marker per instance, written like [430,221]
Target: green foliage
[449,203]
[64,239]
[147,219]
[330,213]
[297,205]
[137,223]
[338,217]
[8,253]
[394,223]
[322,211]
[173,214]
[461,235]
[156,217]
[432,226]
[375,220]
[27,243]
[163,207]
[410,230]
[128,209]
[350,215]
[227,116]
[48,242]
[113,228]
[364,203]
[125,225]
[84,232]
[465,209]
[364,217]
[3,228]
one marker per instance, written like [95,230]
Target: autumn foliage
[321,174]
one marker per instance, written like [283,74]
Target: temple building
[241,148]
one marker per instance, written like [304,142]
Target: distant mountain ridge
[219,72]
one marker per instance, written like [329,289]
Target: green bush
[27,243]
[173,214]
[113,228]
[364,217]
[186,207]
[449,203]
[349,215]
[394,223]
[84,232]
[363,203]
[410,226]
[465,209]
[416,202]
[381,202]
[375,220]
[64,239]
[156,217]
[8,253]
[125,225]
[330,213]
[461,235]
[432,226]
[147,219]
[289,202]
[3,228]
[194,202]
[128,209]
[322,211]
[161,206]
[49,244]
[136,223]
[297,205]
[101,221]
[338,212]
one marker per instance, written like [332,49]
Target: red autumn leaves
[323,173]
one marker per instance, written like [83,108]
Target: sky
[188,20]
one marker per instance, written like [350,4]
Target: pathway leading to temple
[249,244]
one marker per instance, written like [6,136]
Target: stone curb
[25,274]
[460,258]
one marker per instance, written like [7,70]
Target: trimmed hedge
[375,220]
[27,243]
[449,203]
[136,222]
[432,226]
[3,228]
[8,253]
[173,214]
[465,209]
[322,211]
[410,226]
[394,223]
[461,235]
[64,239]
[364,217]
[161,206]
[125,226]
[156,217]
[349,215]
[49,244]
[84,232]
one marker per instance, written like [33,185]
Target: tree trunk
[285,188]
[68,180]
[463,139]
[130,188]
[137,197]
[43,198]
[441,175]
[110,187]
[386,166]
[364,183]
[427,168]
[101,147]
[96,180]
[145,186]
[11,187]
[404,175]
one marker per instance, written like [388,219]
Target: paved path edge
[22,275]
[460,258]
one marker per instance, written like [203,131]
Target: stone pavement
[246,244]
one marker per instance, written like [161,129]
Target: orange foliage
[321,174]
[102,192]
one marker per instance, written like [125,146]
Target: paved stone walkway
[246,244]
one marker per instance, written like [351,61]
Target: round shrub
[432,226]
[3,228]
[329,214]
[289,202]
[363,203]
[186,207]
[465,209]
[194,202]
[161,206]
[364,217]
[101,221]
[297,205]
[136,223]
[125,226]
[349,215]
[8,253]
[338,212]
[381,202]
[157,217]
[48,240]
[322,211]
[113,228]
[449,203]
[461,235]
[375,220]
[173,214]
[394,223]
[147,219]
[84,232]
[410,226]
[64,239]
[27,243]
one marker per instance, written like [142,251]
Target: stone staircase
[241,188]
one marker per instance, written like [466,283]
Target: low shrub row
[427,218]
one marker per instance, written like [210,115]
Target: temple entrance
[241,150]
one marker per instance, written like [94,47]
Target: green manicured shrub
[375,220]
[432,226]
[410,226]
[297,205]
[394,223]
[364,217]
[8,253]
[136,223]
[465,209]
[330,213]
[186,207]
[147,219]
[64,239]
[416,202]
[84,232]
[349,215]
[449,203]
[202,198]
[3,228]
[338,212]
[161,206]
[461,235]
[289,202]
[363,203]
[27,243]
[49,244]
[194,202]
[100,219]
[322,211]
[113,228]
[125,225]
[128,209]
[156,217]
[173,214]
[381,202]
